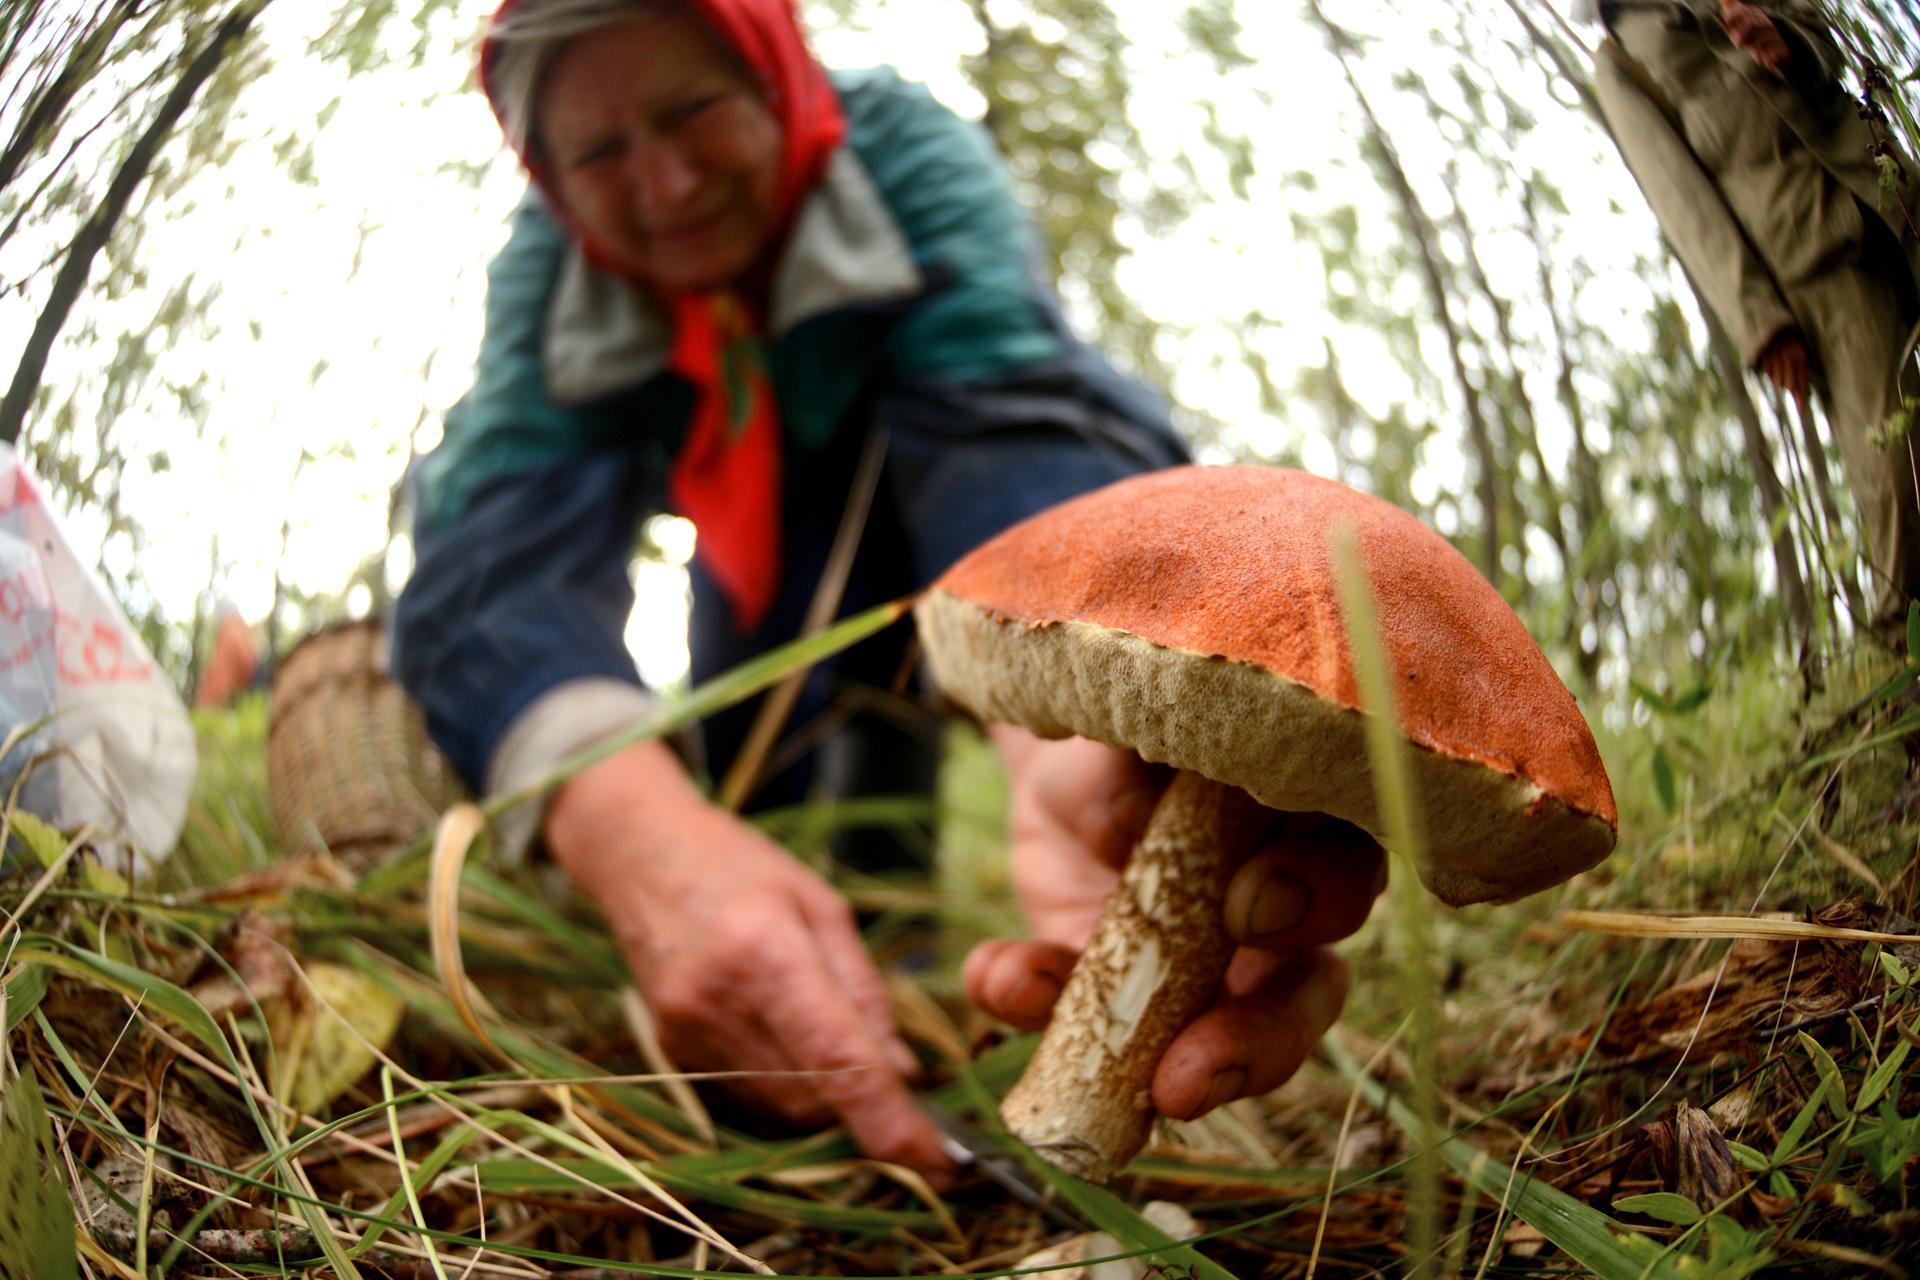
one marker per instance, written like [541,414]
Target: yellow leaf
[326,1040]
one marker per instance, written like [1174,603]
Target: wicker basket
[349,766]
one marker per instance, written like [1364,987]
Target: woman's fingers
[838,938]
[724,1040]
[1252,1040]
[816,1026]
[1311,885]
[1018,982]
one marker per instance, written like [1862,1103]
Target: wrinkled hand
[1079,806]
[1751,29]
[1787,365]
[749,961]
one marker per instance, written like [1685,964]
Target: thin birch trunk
[1421,231]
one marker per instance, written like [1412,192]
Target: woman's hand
[749,961]
[1078,807]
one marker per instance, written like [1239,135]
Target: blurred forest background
[1394,246]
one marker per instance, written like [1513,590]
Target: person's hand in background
[1752,29]
[1787,364]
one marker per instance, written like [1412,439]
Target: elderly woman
[731,272]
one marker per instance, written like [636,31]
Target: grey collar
[603,336]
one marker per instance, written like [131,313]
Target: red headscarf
[727,476]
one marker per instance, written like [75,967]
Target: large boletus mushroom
[1193,616]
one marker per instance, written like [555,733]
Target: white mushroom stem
[1152,966]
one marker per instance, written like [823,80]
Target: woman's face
[662,150]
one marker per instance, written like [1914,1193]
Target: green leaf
[1882,1077]
[1829,1073]
[1661,1206]
[1913,631]
[1735,1252]
[1692,698]
[36,1214]
[1663,780]
[1749,1159]
[24,988]
[1790,1140]
[1902,681]
[156,994]
[41,839]
[1655,701]
[1898,972]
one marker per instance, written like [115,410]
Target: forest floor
[1693,1060]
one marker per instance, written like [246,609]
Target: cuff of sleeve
[565,720]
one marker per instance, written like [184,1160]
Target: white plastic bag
[114,744]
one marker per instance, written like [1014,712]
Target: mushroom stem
[1153,964]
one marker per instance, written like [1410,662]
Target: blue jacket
[908,300]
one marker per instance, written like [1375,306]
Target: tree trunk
[1522,422]
[1421,231]
[1773,503]
[1815,454]
[1584,578]
[99,228]
[1556,54]
[49,103]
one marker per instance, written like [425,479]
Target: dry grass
[1708,1106]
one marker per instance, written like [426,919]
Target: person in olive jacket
[1796,217]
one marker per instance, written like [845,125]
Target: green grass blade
[1796,1130]
[83,1083]
[408,1175]
[1138,1236]
[1393,792]
[737,685]
[815,820]
[588,947]
[1882,1077]
[427,999]
[423,1175]
[717,694]
[154,993]
[321,1208]
[1582,1232]
[23,991]
[516,1174]
[36,1213]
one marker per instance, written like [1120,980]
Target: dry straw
[1629,924]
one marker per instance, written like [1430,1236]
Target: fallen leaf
[1693,1158]
[325,1038]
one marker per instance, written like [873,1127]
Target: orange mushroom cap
[1193,615]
